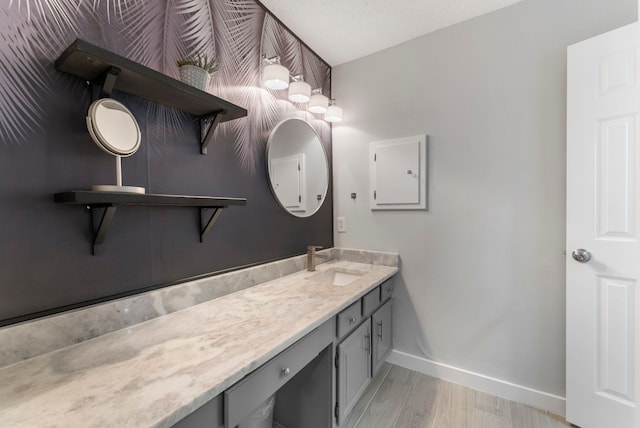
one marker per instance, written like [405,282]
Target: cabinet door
[397,173]
[354,368]
[381,324]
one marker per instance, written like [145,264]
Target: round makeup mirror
[115,130]
[297,167]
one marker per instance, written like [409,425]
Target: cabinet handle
[352,320]
[380,331]
[367,343]
[285,372]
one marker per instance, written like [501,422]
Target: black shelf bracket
[98,233]
[102,207]
[208,125]
[109,81]
[103,87]
[206,224]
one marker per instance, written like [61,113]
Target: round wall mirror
[297,167]
[115,130]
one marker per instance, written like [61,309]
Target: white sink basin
[337,277]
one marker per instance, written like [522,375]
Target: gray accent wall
[482,279]
[45,248]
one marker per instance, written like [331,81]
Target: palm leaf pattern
[239,26]
[25,75]
[59,14]
[157,49]
[315,71]
[119,8]
[151,31]
[157,34]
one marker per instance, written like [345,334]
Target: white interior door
[603,216]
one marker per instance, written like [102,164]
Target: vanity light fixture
[318,103]
[299,90]
[334,113]
[275,75]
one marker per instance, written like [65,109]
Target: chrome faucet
[311,257]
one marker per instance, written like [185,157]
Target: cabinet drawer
[245,396]
[386,290]
[349,319]
[370,302]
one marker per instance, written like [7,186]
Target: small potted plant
[196,71]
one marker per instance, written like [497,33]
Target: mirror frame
[326,164]
[94,126]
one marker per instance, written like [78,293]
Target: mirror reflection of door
[288,178]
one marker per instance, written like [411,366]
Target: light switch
[341,225]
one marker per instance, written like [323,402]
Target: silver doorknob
[285,371]
[581,255]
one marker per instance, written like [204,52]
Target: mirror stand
[115,130]
[118,187]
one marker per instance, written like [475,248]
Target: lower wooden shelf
[109,201]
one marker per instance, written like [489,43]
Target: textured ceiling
[343,30]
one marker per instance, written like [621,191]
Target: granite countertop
[157,372]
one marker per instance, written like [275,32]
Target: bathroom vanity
[361,335]
[312,342]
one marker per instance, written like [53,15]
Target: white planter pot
[194,76]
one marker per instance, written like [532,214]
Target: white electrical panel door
[288,181]
[397,173]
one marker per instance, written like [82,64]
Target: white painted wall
[482,275]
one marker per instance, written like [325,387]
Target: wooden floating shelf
[89,197]
[102,67]
[109,201]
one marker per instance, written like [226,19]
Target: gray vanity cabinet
[245,396]
[308,376]
[354,369]
[207,416]
[361,354]
[381,339]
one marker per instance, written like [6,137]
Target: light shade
[318,102]
[299,90]
[275,76]
[334,113]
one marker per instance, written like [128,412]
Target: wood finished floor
[402,398]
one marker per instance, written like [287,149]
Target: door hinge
[300,198]
[299,169]
[375,195]
[336,412]
[337,360]
[375,157]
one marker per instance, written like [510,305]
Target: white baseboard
[511,391]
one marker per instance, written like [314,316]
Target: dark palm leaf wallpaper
[45,261]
